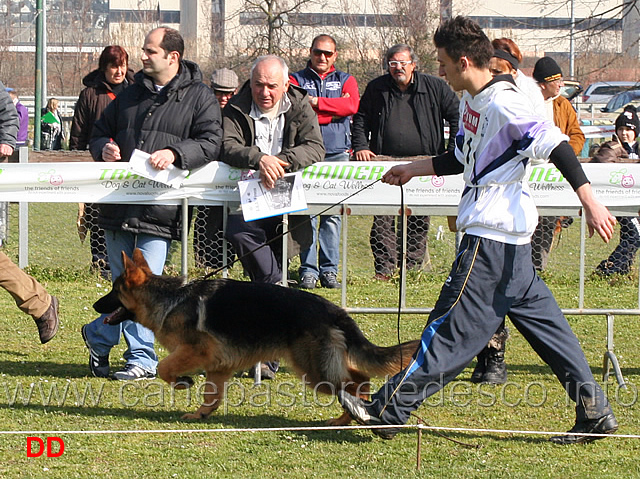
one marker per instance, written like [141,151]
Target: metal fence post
[345,236]
[23,219]
[184,266]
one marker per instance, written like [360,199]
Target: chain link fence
[66,236]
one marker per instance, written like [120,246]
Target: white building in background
[538,26]
[545,26]
[222,27]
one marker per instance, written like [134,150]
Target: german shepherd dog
[222,326]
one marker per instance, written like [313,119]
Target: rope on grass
[323,428]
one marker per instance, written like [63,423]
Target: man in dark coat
[169,113]
[402,114]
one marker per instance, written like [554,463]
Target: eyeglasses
[399,64]
[317,52]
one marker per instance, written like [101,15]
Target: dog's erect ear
[127,263]
[132,274]
[138,259]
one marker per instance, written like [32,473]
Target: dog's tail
[382,361]
[375,360]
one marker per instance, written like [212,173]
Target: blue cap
[9,89]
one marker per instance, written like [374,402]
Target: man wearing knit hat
[559,110]
[224,83]
[208,232]
[549,77]
[623,148]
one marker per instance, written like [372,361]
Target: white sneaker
[358,411]
[133,372]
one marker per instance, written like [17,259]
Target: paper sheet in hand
[172,176]
[286,196]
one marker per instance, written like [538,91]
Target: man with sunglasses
[334,96]
[402,114]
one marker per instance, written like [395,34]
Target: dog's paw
[182,382]
[193,417]
[343,420]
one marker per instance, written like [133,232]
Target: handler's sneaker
[133,372]
[604,425]
[358,411]
[98,365]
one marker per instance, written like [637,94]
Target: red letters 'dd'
[40,445]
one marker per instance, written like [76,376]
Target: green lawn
[47,388]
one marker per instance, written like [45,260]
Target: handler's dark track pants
[488,281]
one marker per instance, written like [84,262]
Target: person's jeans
[102,337]
[325,259]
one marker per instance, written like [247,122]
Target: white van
[601,92]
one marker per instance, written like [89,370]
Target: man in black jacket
[402,114]
[169,113]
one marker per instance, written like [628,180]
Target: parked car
[619,101]
[601,92]
[571,89]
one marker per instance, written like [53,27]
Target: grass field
[47,388]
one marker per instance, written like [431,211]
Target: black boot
[481,366]
[496,370]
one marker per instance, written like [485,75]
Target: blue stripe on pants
[488,281]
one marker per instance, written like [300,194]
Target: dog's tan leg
[343,420]
[180,361]
[360,386]
[213,394]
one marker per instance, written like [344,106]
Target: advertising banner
[615,184]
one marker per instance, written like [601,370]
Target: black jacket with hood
[91,103]
[184,117]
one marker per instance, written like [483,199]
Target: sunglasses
[317,52]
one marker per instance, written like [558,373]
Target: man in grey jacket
[269,126]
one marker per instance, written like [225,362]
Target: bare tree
[76,31]
[603,33]
[271,27]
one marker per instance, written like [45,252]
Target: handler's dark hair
[172,41]
[462,37]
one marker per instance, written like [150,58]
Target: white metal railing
[347,210]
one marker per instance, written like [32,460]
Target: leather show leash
[281,235]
